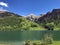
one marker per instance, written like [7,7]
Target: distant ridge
[6,13]
[50,16]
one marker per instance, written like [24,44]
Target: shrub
[47,39]
[49,26]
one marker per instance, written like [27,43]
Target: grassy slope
[18,23]
[54,43]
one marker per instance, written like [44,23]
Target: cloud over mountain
[4,4]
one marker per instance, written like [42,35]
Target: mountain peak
[50,16]
[56,10]
[32,15]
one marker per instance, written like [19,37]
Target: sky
[26,7]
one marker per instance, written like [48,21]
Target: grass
[37,28]
[39,42]
[56,43]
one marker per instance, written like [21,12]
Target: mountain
[32,17]
[7,14]
[12,21]
[51,18]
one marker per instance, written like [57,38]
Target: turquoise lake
[18,37]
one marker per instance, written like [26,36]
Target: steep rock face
[32,17]
[53,16]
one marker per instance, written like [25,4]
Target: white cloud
[3,4]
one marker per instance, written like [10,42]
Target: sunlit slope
[18,23]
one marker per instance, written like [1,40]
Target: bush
[49,26]
[34,25]
[27,43]
[47,39]
[34,44]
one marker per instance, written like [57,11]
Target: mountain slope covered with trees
[48,21]
[11,21]
[51,19]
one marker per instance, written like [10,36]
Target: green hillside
[18,23]
[12,21]
[50,20]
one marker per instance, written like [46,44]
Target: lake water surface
[18,37]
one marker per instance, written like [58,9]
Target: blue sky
[25,7]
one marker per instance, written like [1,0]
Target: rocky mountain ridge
[7,14]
